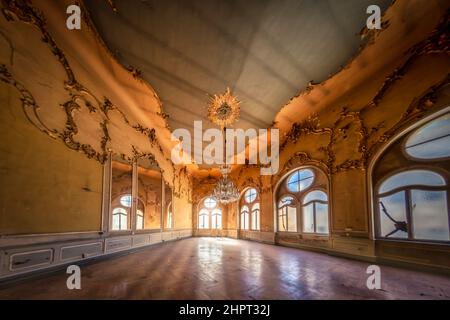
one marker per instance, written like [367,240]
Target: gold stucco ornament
[224,110]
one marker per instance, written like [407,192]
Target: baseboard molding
[25,260]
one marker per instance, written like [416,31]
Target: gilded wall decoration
[79,96]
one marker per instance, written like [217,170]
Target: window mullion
[409,214]
[314,217]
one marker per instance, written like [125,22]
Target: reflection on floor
[219,268]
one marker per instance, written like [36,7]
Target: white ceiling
[266,51]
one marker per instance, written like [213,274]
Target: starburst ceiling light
[223,110]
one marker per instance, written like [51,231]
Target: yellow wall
[46,187]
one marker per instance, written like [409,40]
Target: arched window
[255,217]
[203,219]
[300,180]
[287,214]
[250,210]
[413,205]
[245,218]
[120,219]
[210,203]
[139,219]
[209,214]
[315,212]
[431,141]
[302,202]
[169,223]
[126,201]
[140,215]
[250,195]
[216,218]
[411,195]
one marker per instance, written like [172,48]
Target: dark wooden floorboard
[219,268]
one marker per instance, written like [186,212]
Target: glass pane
[246,225]
[430,215]
[395,206]
[244,217]
[210,203]
[308,218]
[203,221]
[315,195]
[321,218]
[286,201]
[255,219]
[169,224]
[282,223]
[250,195]
[412,177]
[139,222]
[116,222]
[140,215]
[431,140]
[439,148]
[216,219]
[121,184]
[292,219]
[300,180]
[123,222]
[168,206]
[126,201]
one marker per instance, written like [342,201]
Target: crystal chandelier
[223,110]
[225,191]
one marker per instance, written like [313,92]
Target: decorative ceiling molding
[80,100]
[438,42]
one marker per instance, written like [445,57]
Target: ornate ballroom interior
[88,176]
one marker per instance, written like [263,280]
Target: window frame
[250,205]
[319,174]
[411,132]
[120,213]
[301,204]
[201,206]
[296,204]
[407,193]
[288,176]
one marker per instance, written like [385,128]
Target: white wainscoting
[260,236]
[26,259]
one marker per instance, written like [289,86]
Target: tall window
[255,217]
[169,223]
[139,219]
[250,210]
[411,197]
[216,219]
[287,214]
[120,219]
[121,212]
[245,217]
[140,215]
[209,216]
[302,204]
[203,219]
[315,212]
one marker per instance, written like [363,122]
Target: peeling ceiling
[266,51]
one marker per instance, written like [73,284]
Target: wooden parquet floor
[219,268]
